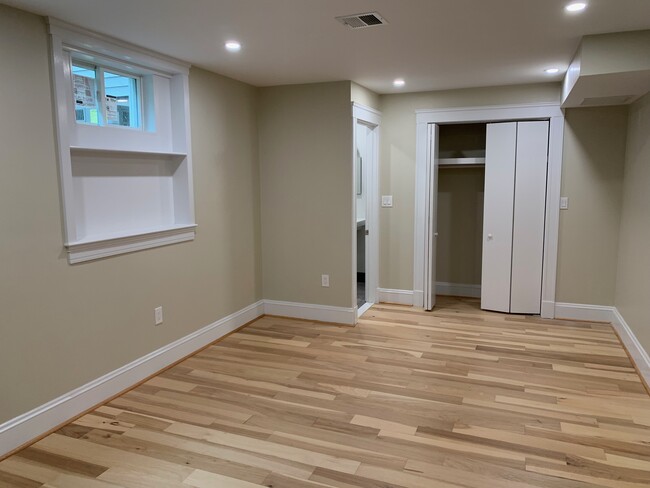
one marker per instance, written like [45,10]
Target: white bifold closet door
[498,211]
[431,216]
[530,209]
[516,158]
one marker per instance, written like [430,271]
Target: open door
[366,133]
[431,221]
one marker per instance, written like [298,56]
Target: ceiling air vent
[360,21]
[602,101]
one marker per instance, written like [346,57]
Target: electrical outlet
[325,281]
[158,317]
[564,203]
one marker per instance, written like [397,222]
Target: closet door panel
[431,233]
[500,153]
[529,212]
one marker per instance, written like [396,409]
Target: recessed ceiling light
[399,83]
[233,46]
[576,7]
[552,71]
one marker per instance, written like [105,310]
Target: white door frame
[423,161]
[371,118]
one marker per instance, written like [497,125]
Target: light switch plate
[387,201]
[564,203]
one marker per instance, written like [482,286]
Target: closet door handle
[489,237]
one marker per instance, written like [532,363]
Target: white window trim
[173,144]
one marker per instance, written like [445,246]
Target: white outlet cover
[325,280]
[564,203]
[158,315]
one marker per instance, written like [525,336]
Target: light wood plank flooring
[453,398]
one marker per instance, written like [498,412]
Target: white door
[431,220]
[528,222]
[366,134]
[500,154]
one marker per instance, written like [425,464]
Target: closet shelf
[461,161]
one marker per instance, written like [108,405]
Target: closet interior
[461,181]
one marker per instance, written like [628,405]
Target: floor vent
[359,21]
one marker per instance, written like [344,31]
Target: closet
[461,176]
[490,213]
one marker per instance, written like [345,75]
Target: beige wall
[616,52]
[592,178]
[305,134]
[364,96]
[397,164]
[61,325]
[633,281]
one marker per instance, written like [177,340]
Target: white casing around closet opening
[513,231]
[500,152]
[528,227]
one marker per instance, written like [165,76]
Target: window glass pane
[85,94]
[122,104]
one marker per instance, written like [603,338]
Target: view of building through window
[120,105]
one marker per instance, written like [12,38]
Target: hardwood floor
[454,398]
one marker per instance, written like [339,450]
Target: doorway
[460,198]
[426,192]
[365,206]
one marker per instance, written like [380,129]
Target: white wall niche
[124,189]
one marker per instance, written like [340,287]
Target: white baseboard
[28,426]
[634,348]
[458,289]
[400,297]
[599,313]
[548,310]
[579,311]
[408,297]
[308,311]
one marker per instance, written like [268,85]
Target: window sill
[101,246]
[80,151]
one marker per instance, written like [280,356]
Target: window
[119,92]
[124,145]
[85,94]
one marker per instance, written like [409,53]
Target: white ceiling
[432,44]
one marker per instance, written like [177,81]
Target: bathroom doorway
[366,205]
